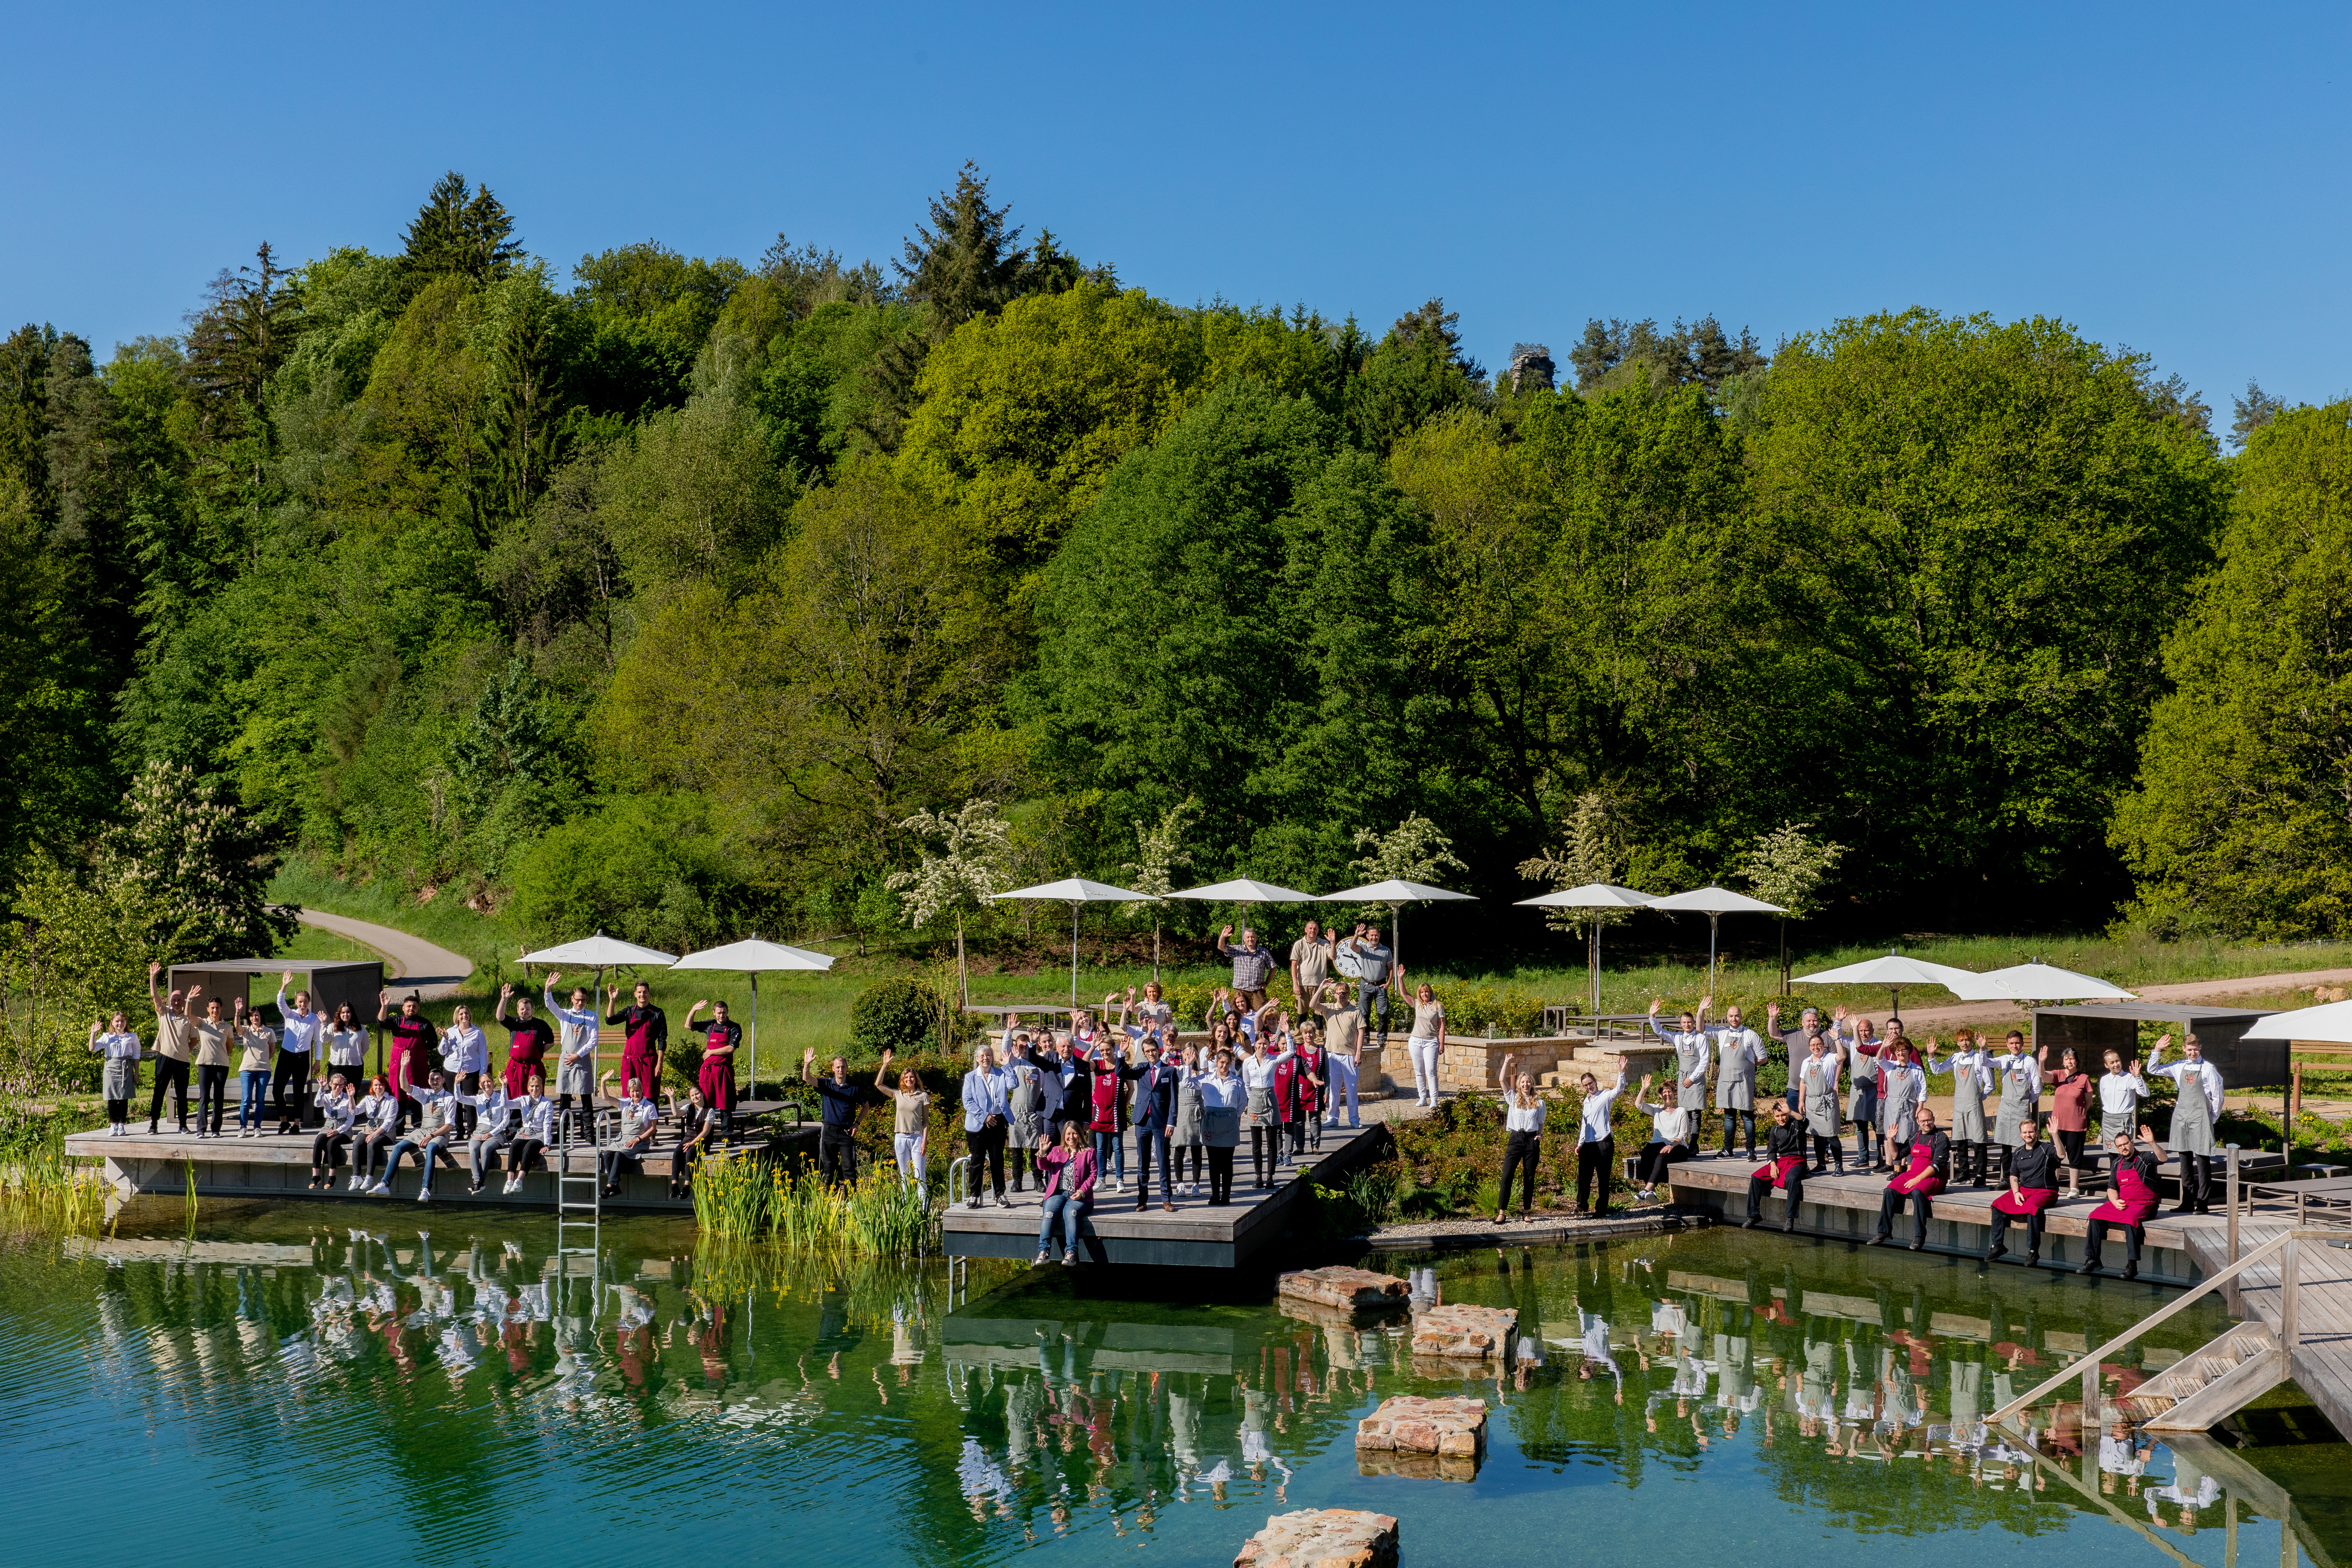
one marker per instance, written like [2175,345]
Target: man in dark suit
[1156,1079]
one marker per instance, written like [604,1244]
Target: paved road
[432,972]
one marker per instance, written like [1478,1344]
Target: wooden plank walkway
[1195,1237]
[278,1165]
[2322,1358]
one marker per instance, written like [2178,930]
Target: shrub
[900,1013]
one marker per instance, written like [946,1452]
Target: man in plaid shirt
[1253,966]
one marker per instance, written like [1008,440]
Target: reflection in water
[858,1409]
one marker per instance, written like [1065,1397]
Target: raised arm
[155,986]
[881,1074]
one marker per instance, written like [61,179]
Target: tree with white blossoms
[1159,851]
[194,857]
[1412,851]
[1787,867]
[977,845]
[1594,848]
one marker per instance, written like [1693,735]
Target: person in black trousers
[1596,1141]
[2033,1188]
[1156,1081]
[1523,1122]
[1783,1167]
[836,1154]
[1928,1165]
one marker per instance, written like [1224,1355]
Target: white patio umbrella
[2039,982]
[1076,892]
[2330,1022]
[1396,893]
[1715,902]
[1895,972]
[754,958]
[600,952]
[1240,891]
[1593,896]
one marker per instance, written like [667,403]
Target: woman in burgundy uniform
[716,1078]
[1783,1167]
[2134,1199]
[1929,1155]
[529,1037]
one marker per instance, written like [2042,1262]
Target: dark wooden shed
[2092,1029]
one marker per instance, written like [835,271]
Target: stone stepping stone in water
[1344,1290]
[1465,1333]
[1420,1438]
[1322,1538]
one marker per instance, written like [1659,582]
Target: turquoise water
[277,1387]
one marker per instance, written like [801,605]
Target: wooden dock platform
[1195,1237]
[276,1166]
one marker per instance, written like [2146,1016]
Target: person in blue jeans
[1069,1188]
[436,1129]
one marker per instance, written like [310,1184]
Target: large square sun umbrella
[2038,982]
[1076,892]
[1895,972]
[1593,896]
[1714,903]
[2330,1023]
[1396,893]
[754,958]
[600,952]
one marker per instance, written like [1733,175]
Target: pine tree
[452,232]
[2254,410]
[236,343]
[24,410]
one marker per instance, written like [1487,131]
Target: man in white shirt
[1343,1046]
[1596,1141]
[1739,1051]
[575,1070]
[300,1031]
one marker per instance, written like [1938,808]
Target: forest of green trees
[660,597]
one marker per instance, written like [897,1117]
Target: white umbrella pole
[1073,962]
[755,1031]
[1711,919]
[1593,963]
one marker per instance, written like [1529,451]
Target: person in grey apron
[1817,1080]
[1902,1085]
[2121,1091]
[2020,1076]
[1971,1077]
[1738,1050]
[1792,1045]
[1690,1059]
[2194,1114]
[1859,1044]
[114,1040]
[1192,1136]
[1025,1113]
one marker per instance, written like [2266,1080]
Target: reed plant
[744,1198]
[41,1186]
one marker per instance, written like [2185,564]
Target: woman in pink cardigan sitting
[1069,1188]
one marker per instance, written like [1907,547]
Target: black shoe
[2185,1208]
[1880,1239]
[2090,1266]
[2131,1271]
[1995,1253]
[1918,1246]
[2034,1260]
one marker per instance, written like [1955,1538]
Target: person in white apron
[1971,1073]
[1690,1057]
[2020,1076]
[2194,1117]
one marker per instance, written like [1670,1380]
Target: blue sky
[2158,175]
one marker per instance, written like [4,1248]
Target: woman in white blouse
[464,1056]
[1523,1121]
[347,1041]
[1427,1041]
[112,1038]
[337,1111]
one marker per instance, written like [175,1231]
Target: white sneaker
[379,1191]
[353,1184]
[1042,1261]
[425,1197]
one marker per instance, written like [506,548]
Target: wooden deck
[1195,1237]
[1846,1208]
[278,1166]
[2181,1250]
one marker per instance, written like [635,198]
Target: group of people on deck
[435,1095]
[1066,1102]
[1995,1138]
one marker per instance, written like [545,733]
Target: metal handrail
[2088,1367]
[959,1175]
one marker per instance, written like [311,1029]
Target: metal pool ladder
[573,1212]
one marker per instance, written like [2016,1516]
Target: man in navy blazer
[1156,1078]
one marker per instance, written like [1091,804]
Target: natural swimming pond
[281,1386]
